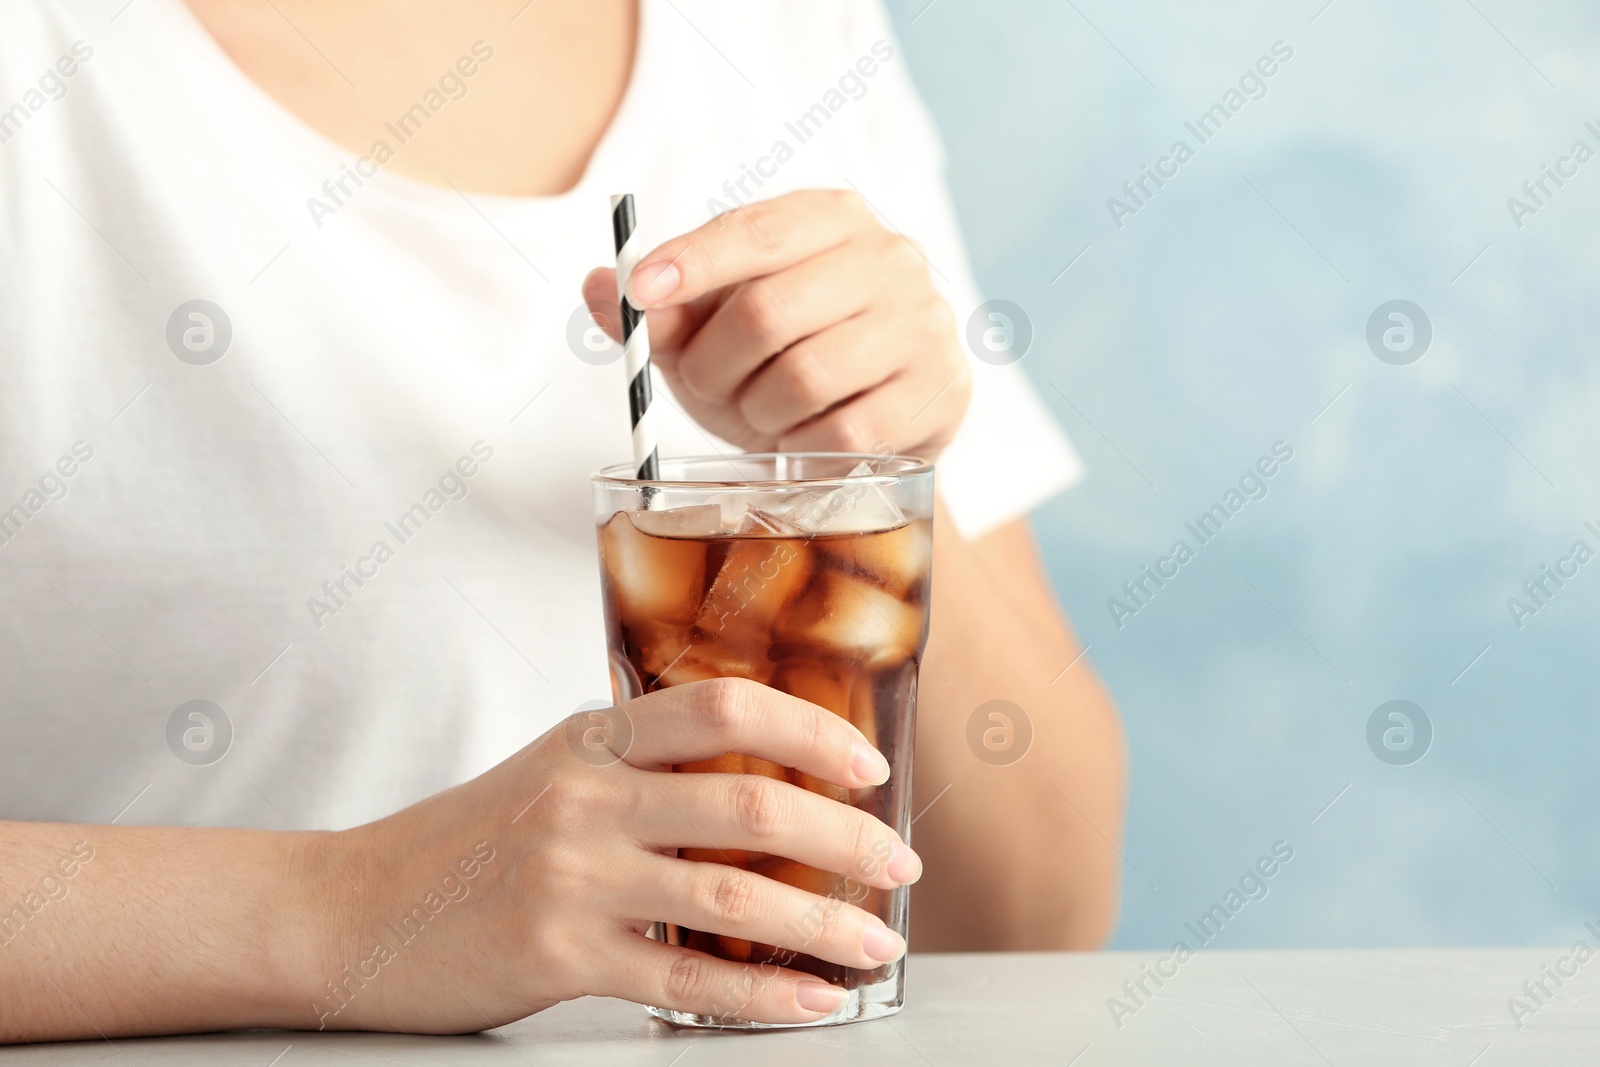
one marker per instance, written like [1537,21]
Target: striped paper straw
[635,341]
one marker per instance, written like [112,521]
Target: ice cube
[790,872]
[817,785]
[823,686]
[654,579]
[864,712]
[765,767]
[737,856]
[851,508]
[898,558]
[687,668]
[766,523]
[727,763]
[759,576]
[736,949]
[703,661]
[659,643]
[843,615]
[699,520]
[733,763]
[734,508]
[827,687]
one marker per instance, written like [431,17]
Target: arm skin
[1011,863]
[160,931]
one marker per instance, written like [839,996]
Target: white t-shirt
[397,370]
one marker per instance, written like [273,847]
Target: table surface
[1444,1007]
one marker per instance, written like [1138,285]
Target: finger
[812,376]
[748,242]
[719,899]
[650,972]
[888,415]
[768,314]
[756,813]
[701,720]
[670,328]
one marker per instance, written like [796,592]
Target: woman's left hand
[800,324]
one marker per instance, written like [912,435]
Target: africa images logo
[1251,85]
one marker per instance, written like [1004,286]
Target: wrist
[312,927]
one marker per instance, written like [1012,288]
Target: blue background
[1224,316]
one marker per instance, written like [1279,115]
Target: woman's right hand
[537,881]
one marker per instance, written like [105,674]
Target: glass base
[877,1001]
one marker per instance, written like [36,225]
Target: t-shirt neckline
[624,136]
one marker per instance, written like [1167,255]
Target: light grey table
[1447,1008]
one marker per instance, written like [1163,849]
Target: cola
[810,603]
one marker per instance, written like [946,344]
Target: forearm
[110,931]
[1019,856]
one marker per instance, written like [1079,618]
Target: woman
[280,275]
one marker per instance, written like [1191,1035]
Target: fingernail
[868,764]
[819,996]
[654,283]
[882,943]
[905,866]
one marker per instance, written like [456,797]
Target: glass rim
[620,475]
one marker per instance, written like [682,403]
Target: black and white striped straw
[635,341]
